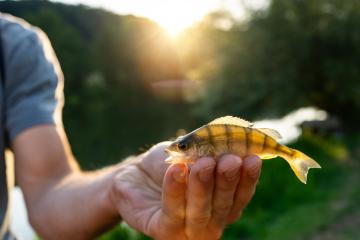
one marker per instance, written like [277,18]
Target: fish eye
[183,146]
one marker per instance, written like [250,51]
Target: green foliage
[291,54]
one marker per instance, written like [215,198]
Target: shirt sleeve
[33,79]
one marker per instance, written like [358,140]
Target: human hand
[170,202]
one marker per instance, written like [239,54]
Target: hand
[170,202]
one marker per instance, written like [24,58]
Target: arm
[63,202]
[61,199]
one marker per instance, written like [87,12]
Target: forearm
[76,206]
[63,202]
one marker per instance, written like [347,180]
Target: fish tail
[300,163]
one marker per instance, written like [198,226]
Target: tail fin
[300,164]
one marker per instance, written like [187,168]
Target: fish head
[184,147]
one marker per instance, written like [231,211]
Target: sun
[175,16]
[173,24]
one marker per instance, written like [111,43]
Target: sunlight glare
[174,16]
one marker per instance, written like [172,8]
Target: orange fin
[300,164]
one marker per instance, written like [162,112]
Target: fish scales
[256,141]
[234,135]
[215,136]
[270,145]
[240,140]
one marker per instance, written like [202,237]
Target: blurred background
[136,72]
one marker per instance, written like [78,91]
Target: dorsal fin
[232,121]
[271,132]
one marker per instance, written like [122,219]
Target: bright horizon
[174,16]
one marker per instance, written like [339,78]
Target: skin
[163,201]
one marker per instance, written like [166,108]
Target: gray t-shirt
[31,92]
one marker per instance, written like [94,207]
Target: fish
[237,136]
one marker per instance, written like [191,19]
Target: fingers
[226,181]
[212,195]
[173,196]
[199,197]
[246,188]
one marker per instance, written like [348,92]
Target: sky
[172,15]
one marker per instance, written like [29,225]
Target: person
[64,202]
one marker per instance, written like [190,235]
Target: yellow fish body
[234,135]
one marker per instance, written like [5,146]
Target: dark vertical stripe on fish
[210,136]
[278,148]
[263,146]
[247,139]
[288,151]
[227,133]
[292,152]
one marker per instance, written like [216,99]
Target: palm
[142,186]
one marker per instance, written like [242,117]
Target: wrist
[113,188]
[115,193]
[107,199]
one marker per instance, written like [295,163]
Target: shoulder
[15,30]
[26,47]
[17,35]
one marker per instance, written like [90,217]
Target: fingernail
[231,174]
[179,175]
[206,174]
